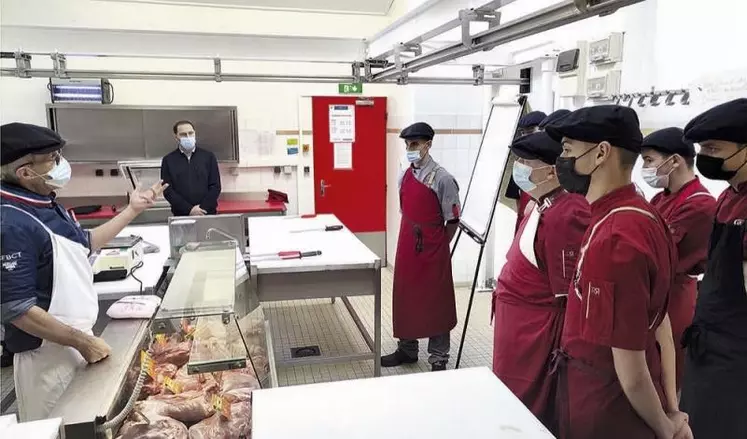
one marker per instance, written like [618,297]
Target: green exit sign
[349,89]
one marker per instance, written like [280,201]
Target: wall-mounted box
[608,50]
[571,69]
[604,86]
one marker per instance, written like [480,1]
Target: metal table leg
[377,320]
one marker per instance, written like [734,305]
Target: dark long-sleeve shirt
[193,181]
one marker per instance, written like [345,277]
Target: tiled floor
[329,326]
[319,322]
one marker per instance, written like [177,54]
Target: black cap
[669,141]
[552,117]
[418,130]
[537,146]
[531,119]
[18,139]
[726,122]
[615,124]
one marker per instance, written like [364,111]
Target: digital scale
[118,258]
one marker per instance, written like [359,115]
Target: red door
[350,164]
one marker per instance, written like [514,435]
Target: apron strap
[696,194]
[430,178]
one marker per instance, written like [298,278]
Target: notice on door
[341,123]
[343,155]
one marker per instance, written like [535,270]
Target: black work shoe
[441,365]
[397,358]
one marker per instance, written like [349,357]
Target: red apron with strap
[423,303]
[684,287]
[528,326]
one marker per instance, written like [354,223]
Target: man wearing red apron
[688,208]
[616,362]
[714,389]
[49,304]
[529,299]
[423,304]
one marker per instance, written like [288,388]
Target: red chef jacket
[529,299]
[733,205]
[689,213]
[618,298]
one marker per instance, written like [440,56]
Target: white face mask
[654,180]
[58,176]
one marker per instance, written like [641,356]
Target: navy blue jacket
[193,181]
[27,266]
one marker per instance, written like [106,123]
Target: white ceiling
[368,7]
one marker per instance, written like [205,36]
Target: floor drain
[306,351]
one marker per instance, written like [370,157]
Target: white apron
[43,374]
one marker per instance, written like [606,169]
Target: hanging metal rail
[565,12]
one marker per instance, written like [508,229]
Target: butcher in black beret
[529,123]
[715,380]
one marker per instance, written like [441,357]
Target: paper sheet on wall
[341,123]
[343,155]
[719,87]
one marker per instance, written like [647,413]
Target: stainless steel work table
[345,268]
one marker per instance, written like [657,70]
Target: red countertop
[224,206]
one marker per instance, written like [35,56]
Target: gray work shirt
[442,183]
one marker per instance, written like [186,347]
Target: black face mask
[712,168]
[571,180]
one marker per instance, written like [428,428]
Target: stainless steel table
[345,268]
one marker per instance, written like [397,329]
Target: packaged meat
[134,307]
[239,379]
[157,428]
[237,426]
[189,407]
[172,352]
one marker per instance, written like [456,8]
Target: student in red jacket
[529,299]
[688,208]
[617,359]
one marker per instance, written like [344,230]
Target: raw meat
[171,352]
[192,406]
[239,379]
[239,426]
[238,395]
[157,428]
[155,386]
[202,381]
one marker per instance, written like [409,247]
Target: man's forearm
[668,363]
[40,323]
[635,380]
[104,233]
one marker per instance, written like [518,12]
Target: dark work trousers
[438,348]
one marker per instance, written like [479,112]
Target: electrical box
[604,86]
[571,69]
[608,50]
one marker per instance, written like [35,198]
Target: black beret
[552,117]
[726,122]
[669,141]
[18,139]
[537,146]
[531,119]
[615,124]
[418,130]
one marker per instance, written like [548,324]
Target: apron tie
[418,238]
[694,339]
[558,359]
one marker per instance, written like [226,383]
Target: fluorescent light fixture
[95,91]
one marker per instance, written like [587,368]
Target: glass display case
[211,303]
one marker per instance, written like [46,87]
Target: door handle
[323,187]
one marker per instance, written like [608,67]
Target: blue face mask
[413,156]
[521,174]
[58,176]
[188,143]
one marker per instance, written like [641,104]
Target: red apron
[684,287]
[527,328]
[423,303]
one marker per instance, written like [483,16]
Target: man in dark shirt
[191,174]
